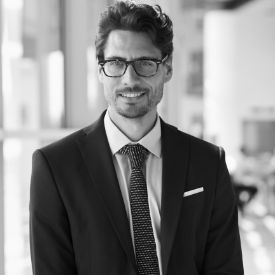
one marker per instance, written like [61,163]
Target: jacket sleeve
[223,250]
[50,238]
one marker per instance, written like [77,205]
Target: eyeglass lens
[141,67]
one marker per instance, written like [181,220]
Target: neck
[134,128]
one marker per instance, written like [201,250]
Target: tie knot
[136,153]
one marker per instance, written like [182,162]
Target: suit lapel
[175,152]
[97,156]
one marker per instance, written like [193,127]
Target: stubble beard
[133,112]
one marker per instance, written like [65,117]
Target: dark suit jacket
[78,222]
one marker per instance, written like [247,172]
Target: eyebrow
[124,59]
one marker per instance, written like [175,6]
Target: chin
[133,113]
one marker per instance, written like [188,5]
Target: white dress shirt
[153,173]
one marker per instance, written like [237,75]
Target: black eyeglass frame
[132,62]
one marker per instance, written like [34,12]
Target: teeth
[132,94]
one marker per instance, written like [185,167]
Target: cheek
[159,92]
[107,91]
[157,86]
[109,88]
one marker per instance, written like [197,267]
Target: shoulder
[59,153]
[198,148]
[196,144]
[61,144]
[68,145]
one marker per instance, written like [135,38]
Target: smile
[132,95]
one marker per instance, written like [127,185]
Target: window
[32,112]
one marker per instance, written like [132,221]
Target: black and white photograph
[137,137]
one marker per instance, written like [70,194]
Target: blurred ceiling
[214,4]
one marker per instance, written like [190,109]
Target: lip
[131,95]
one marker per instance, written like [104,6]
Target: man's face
[130,95]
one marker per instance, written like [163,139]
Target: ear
[168,68]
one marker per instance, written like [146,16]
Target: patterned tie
[145,246]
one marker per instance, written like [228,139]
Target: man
[131,194]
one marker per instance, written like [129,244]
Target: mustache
[134,89]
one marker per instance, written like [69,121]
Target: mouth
[132,94]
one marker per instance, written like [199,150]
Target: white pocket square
[192,192]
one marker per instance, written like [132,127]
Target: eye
[146,63]
[115,63]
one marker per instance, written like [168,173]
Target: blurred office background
[222,90]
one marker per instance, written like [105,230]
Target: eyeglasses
[143,67]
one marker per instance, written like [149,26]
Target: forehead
[130,45]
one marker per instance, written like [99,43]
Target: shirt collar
[117,139]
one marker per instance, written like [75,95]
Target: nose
[130,76]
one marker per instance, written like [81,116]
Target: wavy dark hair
[127,15]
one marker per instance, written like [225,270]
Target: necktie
[145,246]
